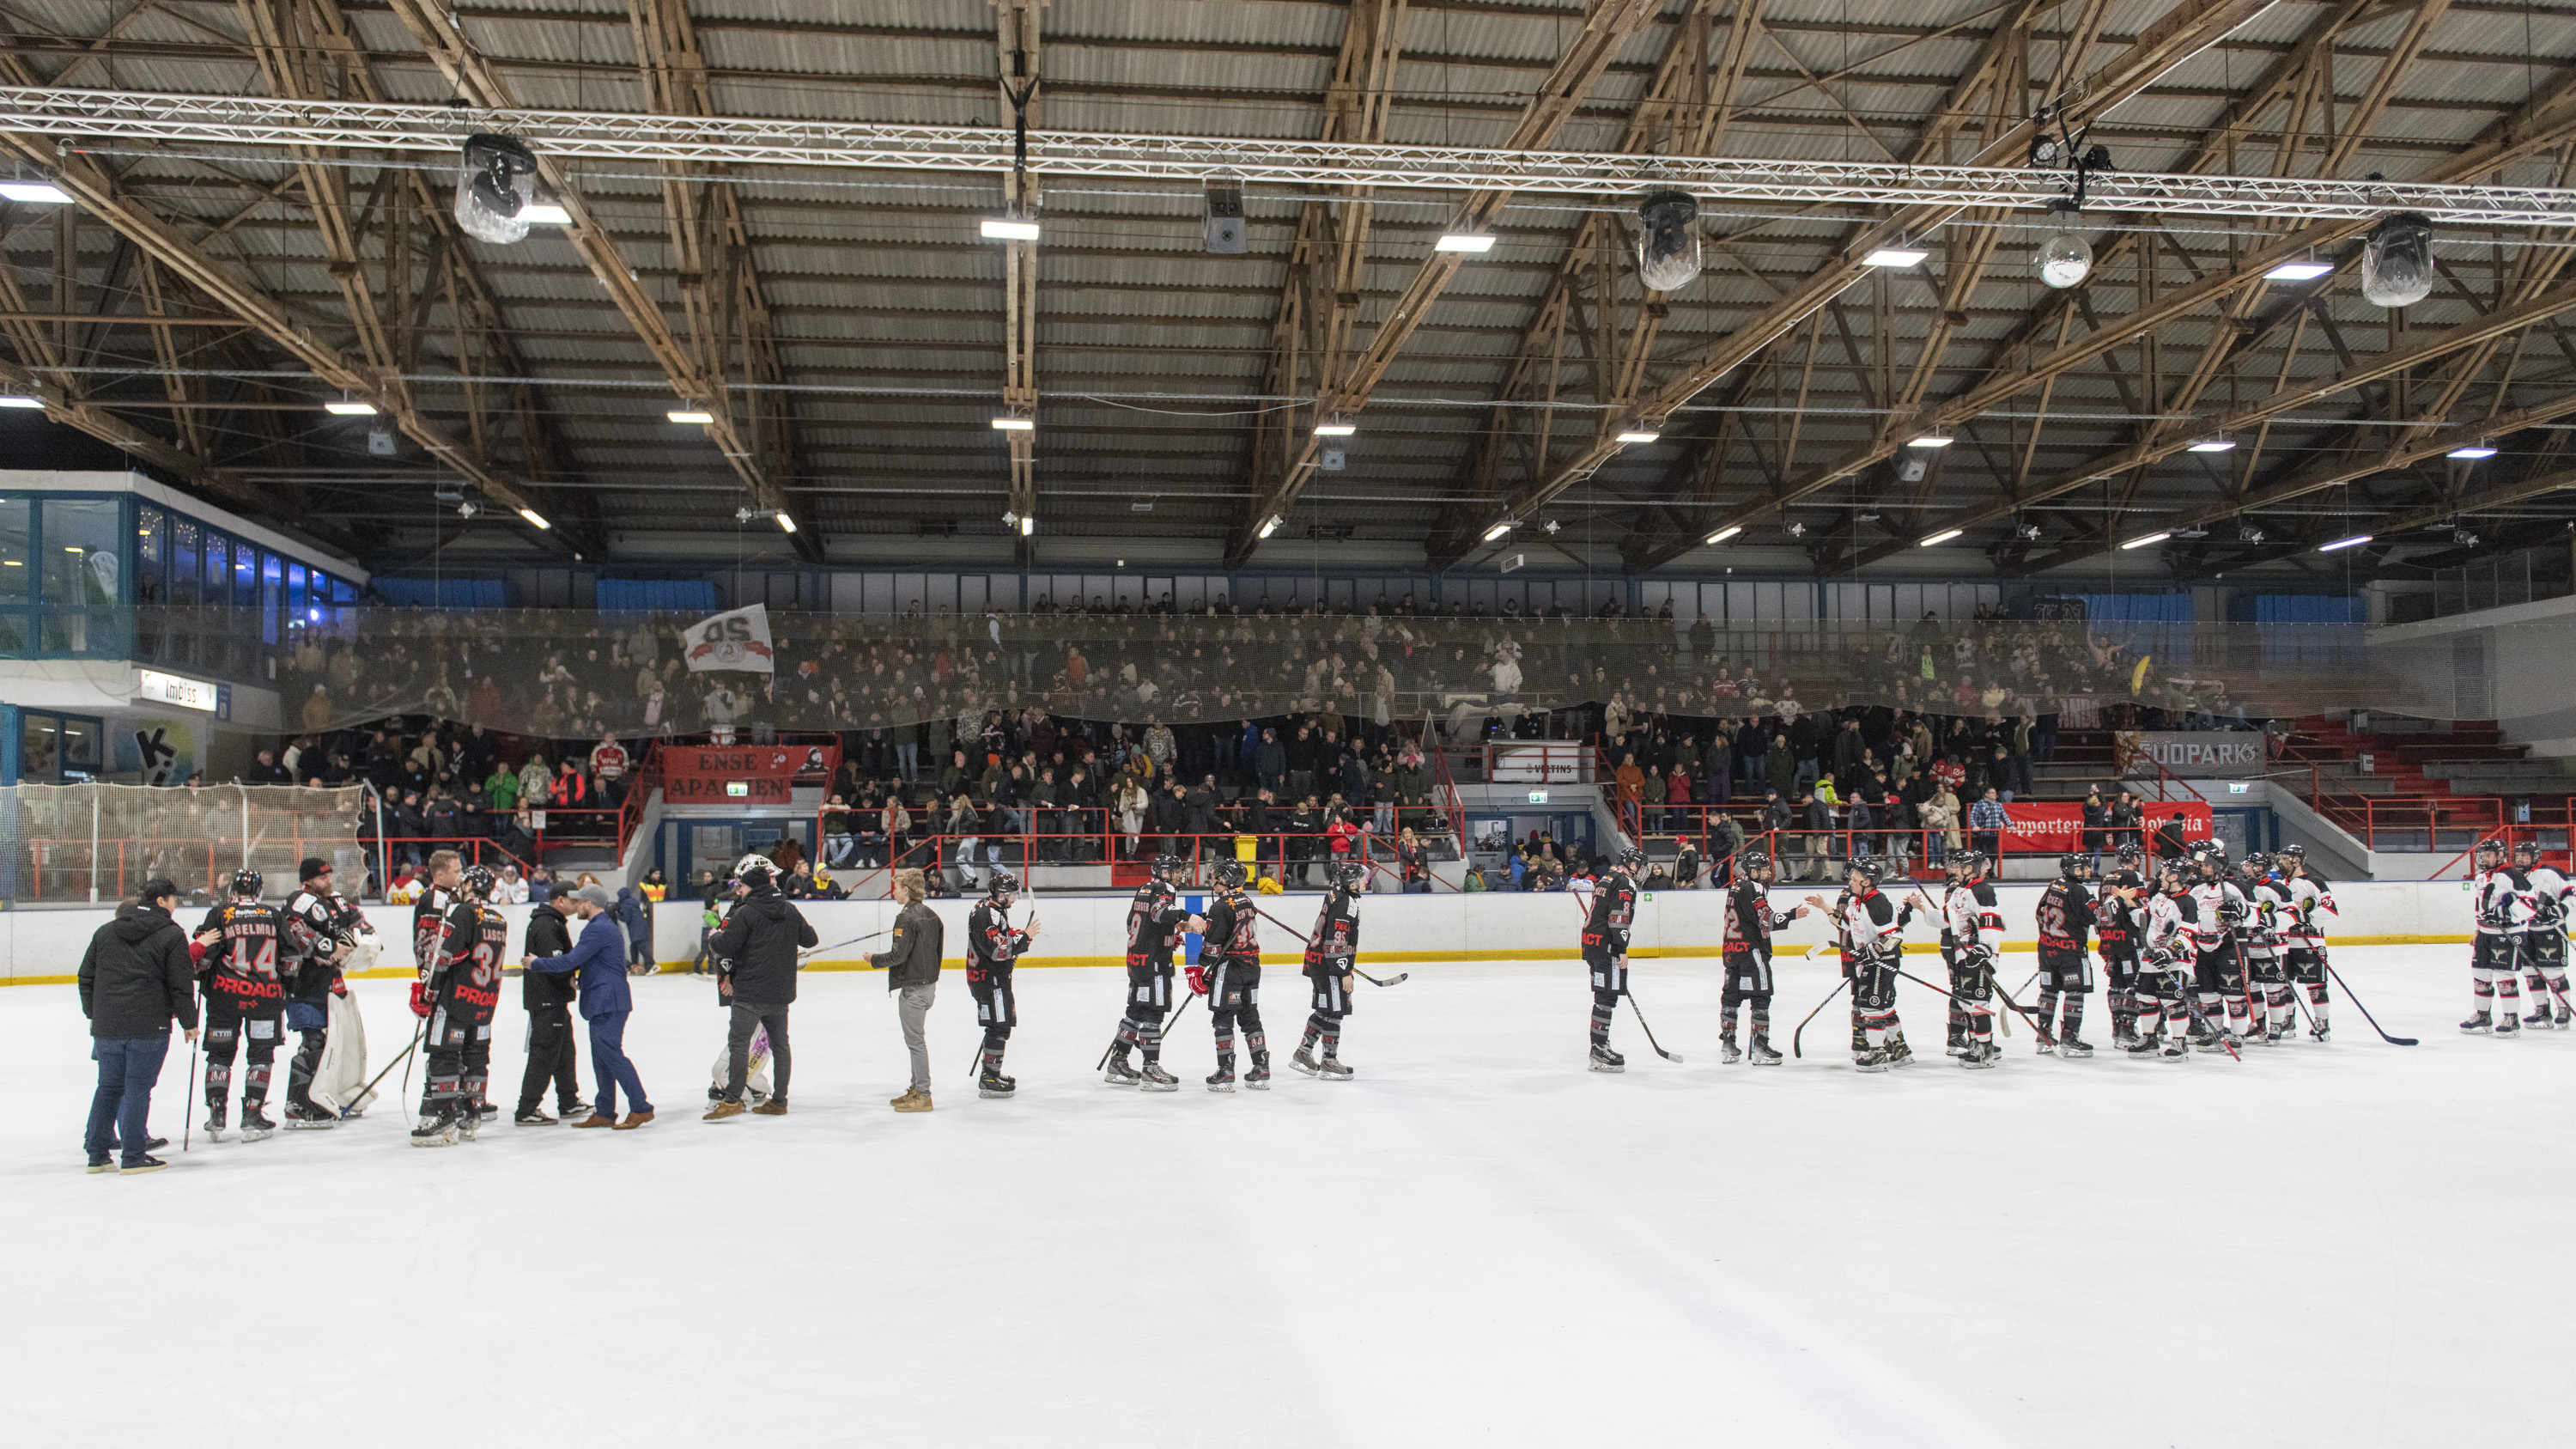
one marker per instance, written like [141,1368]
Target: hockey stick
[854,940]
[1672,1057]
[1112,1049]
[2044,1037]
[398,1061]
[2365,1011]
[1354,969]
[1839,987]
[188,1120]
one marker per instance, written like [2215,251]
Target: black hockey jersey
[465,977]
[1336,942]
[1614,911]
[2120,926]
[1154,924]
[1233,933]
[244,968]
[1750,919]
[992,942]
[2066,915]
[313,927]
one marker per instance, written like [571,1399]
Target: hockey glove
[1198,979]
[420,1001]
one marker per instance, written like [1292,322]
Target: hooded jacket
[136,976]
[761,937]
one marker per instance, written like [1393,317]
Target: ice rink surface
[1475,1242]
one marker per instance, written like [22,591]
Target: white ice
[1475,1242]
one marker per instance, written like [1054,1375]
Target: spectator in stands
[1414,860]
[1987,822]
[608,765]
[2096,817]
[840,844]
[1132,807]
[1270,762]
[501,789]
[265,770]
[541,884]
[2128,822]
[536,782]
[2171,843]
[511,889]
[1818,805]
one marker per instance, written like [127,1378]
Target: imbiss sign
[755,775]
[2193,754]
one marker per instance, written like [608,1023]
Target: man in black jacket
[756,949]
[548,996]
[134,978]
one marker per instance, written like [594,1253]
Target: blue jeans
[121,1111]
[608,1060]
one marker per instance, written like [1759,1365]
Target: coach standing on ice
[912,967]
[136,976]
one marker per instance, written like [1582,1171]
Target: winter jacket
[760,940]
[136,975]
[913,959]
[549,934]
[600,959]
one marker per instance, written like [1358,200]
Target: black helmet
[1165,866]
[2293,852]
[2490,846]
[1753,860]
[2255,863]
[1349,875]
[1229,873]
[246,884]
[2210,858]
[1969,862]
[2530,848]
[1864,866]
[1002,884]
[2124,880]
[475,884]
[2070,863]
[2131,852]
[1632,858]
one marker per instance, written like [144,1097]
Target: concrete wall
[1091,930]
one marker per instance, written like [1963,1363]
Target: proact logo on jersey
[736,640]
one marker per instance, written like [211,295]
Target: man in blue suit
[599,959]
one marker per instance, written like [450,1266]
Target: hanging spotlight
[1335,428]
[495,189]
[2356,539]
[1944,536]
[2152,538]
[2300,271]
[1723,534]
[2215,443]
[1472,242]
[1895,256]
[2397,261]
[690,415]
[1668,248]
[785,523]
[1499,529]
[1932,439]
[1269,526]
[1028,525]
[40,193]
[534,517]
[2479,449]
[1639,435]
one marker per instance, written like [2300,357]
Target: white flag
[737,640]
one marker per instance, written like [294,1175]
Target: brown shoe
[634,1120]
[721,1111]
[595,1120]
[771,1108]
[913,1102]
[897,1102]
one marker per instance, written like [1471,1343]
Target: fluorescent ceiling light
[785,523]
[546,213]
[21,402]
[35,191]
[1944,536]
[1028,525]
[2472,450]
[2298,271]
[1462,241]
[2212,445]
[2143,542]
[534,517]
[1015,425]
[349,409]
[1335,430]
[1498,530]
[1932,440]
[1895,257]
[1010,230]
[690,415]
[1269,526]
[1638,435]
[1723,534]
[2358,538]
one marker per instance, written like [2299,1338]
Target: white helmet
[743,868]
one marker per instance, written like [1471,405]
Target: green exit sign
[737,789]
[1538,797]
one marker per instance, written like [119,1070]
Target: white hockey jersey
[2500,900]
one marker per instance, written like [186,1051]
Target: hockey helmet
[475,884]
[1351,876]
[2131,857]
[1969,862]
[246,884]
[1229,874]
[756,869]
[2124,880]
[1753,861]
[1864,866]
[2526,850]
[2073,866]
[1632,859]
[2293,852]
[1003,886]
[2490,846]
[1166,866]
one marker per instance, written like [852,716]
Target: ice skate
[1221,1080]
[2140,1047]
[2319,1031]
[1983,1056]
[1119,1074]
[486,1112]
[1304,1061]
[2507,1024]
[468,1122]
[2566,1018]
[435,1130]
[994,1084]
[1727,1054]
[1872,1060]
[1606,1060]
[255,1125]
[2538,1020]
[215,1125]
[2072,1049]
[2124,1040]
[306,1117]
[1898,1053]
[1760,1053]
[2478,1025]
[1258,1079]
[1157,1080]
[1330,1069]
[2174,1049]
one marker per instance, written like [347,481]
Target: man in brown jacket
[911,965]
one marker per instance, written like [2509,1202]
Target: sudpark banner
[2188,754]
[2054,828]
[738,639]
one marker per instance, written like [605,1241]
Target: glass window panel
[245,576]
[82,559]
[151,542]
[295,605]
[272,595]
[39,735]
[184,543]
[15,583]
[219,569]
[80,743]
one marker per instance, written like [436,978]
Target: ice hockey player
[1749,924]
[1873,933]
[2119,922]
[1228,973]
[2304,947]
[313,937]
[245,998]
[2218,912]
[2268,916]
[2501,899]
[1971,917]
[993,944]
[2067,913]
[1332,951]
[2164,948]
[2544,941]
[1605,951]
[1156,920]
[458,997]
[429,913]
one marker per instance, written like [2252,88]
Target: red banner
[743,774]
[2051,828]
